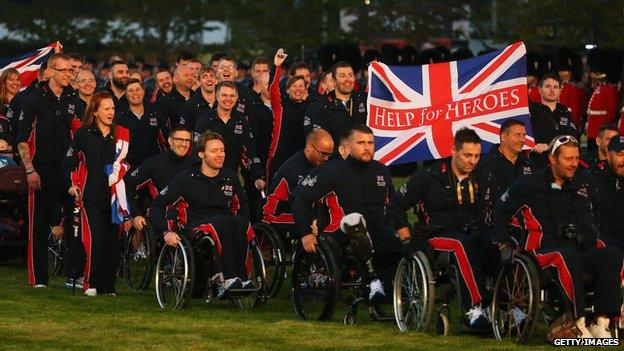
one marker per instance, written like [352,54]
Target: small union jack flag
[415,111]
[28,64]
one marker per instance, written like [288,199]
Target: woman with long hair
[10,83]
[94,165]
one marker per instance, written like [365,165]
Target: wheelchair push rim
[315,283]
[414,292]
[174,276]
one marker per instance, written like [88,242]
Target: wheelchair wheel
[138,257]
[272,249]
[174,275]
[256,273]
[315,281]
[414,293]
[56,253]
[516,301]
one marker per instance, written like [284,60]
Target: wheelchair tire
[139,257]
[414,293]
[315,282]
[273,253]
[516,296]
[175,273]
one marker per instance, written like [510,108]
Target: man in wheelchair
[278,208]
[458,200]
[554,206]
[210,202]
[356,190]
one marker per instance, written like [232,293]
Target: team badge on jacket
[228,190]
[381,181]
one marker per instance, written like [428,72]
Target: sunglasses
[563,140]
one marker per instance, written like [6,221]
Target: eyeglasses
[63,70]
[86,80]
[228,67]
[323,154]
[181,140]
[563,140]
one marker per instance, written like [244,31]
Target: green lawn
[53,318]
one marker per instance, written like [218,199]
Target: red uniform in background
[601,108]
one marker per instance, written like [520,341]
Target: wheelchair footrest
[238,293]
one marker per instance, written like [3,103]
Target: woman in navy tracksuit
[93,148]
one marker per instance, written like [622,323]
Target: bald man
[85,81]
[171,105]
[278,208]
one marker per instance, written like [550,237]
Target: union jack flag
[415,111]
[28,64]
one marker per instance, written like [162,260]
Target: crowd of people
[173,149]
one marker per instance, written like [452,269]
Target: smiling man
[43,136]
[555,206]
[505,161]
[145,123]
[341,109]
[458,200]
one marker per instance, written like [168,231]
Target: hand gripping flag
[115,173]
[28,64]
[415,111]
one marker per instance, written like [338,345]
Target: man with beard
[171,104]
[610,181]
[605,134]
[203,100]
[356,189]
[341,109]
[116,86]
[164,84]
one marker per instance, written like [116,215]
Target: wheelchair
[13,211]
[523,293]
[317,278]
[424,280]
[277,251]
[177,279]
[139,256]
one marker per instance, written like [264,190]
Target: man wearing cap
[609,178]
[554,206]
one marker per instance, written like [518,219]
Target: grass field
[53,318]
